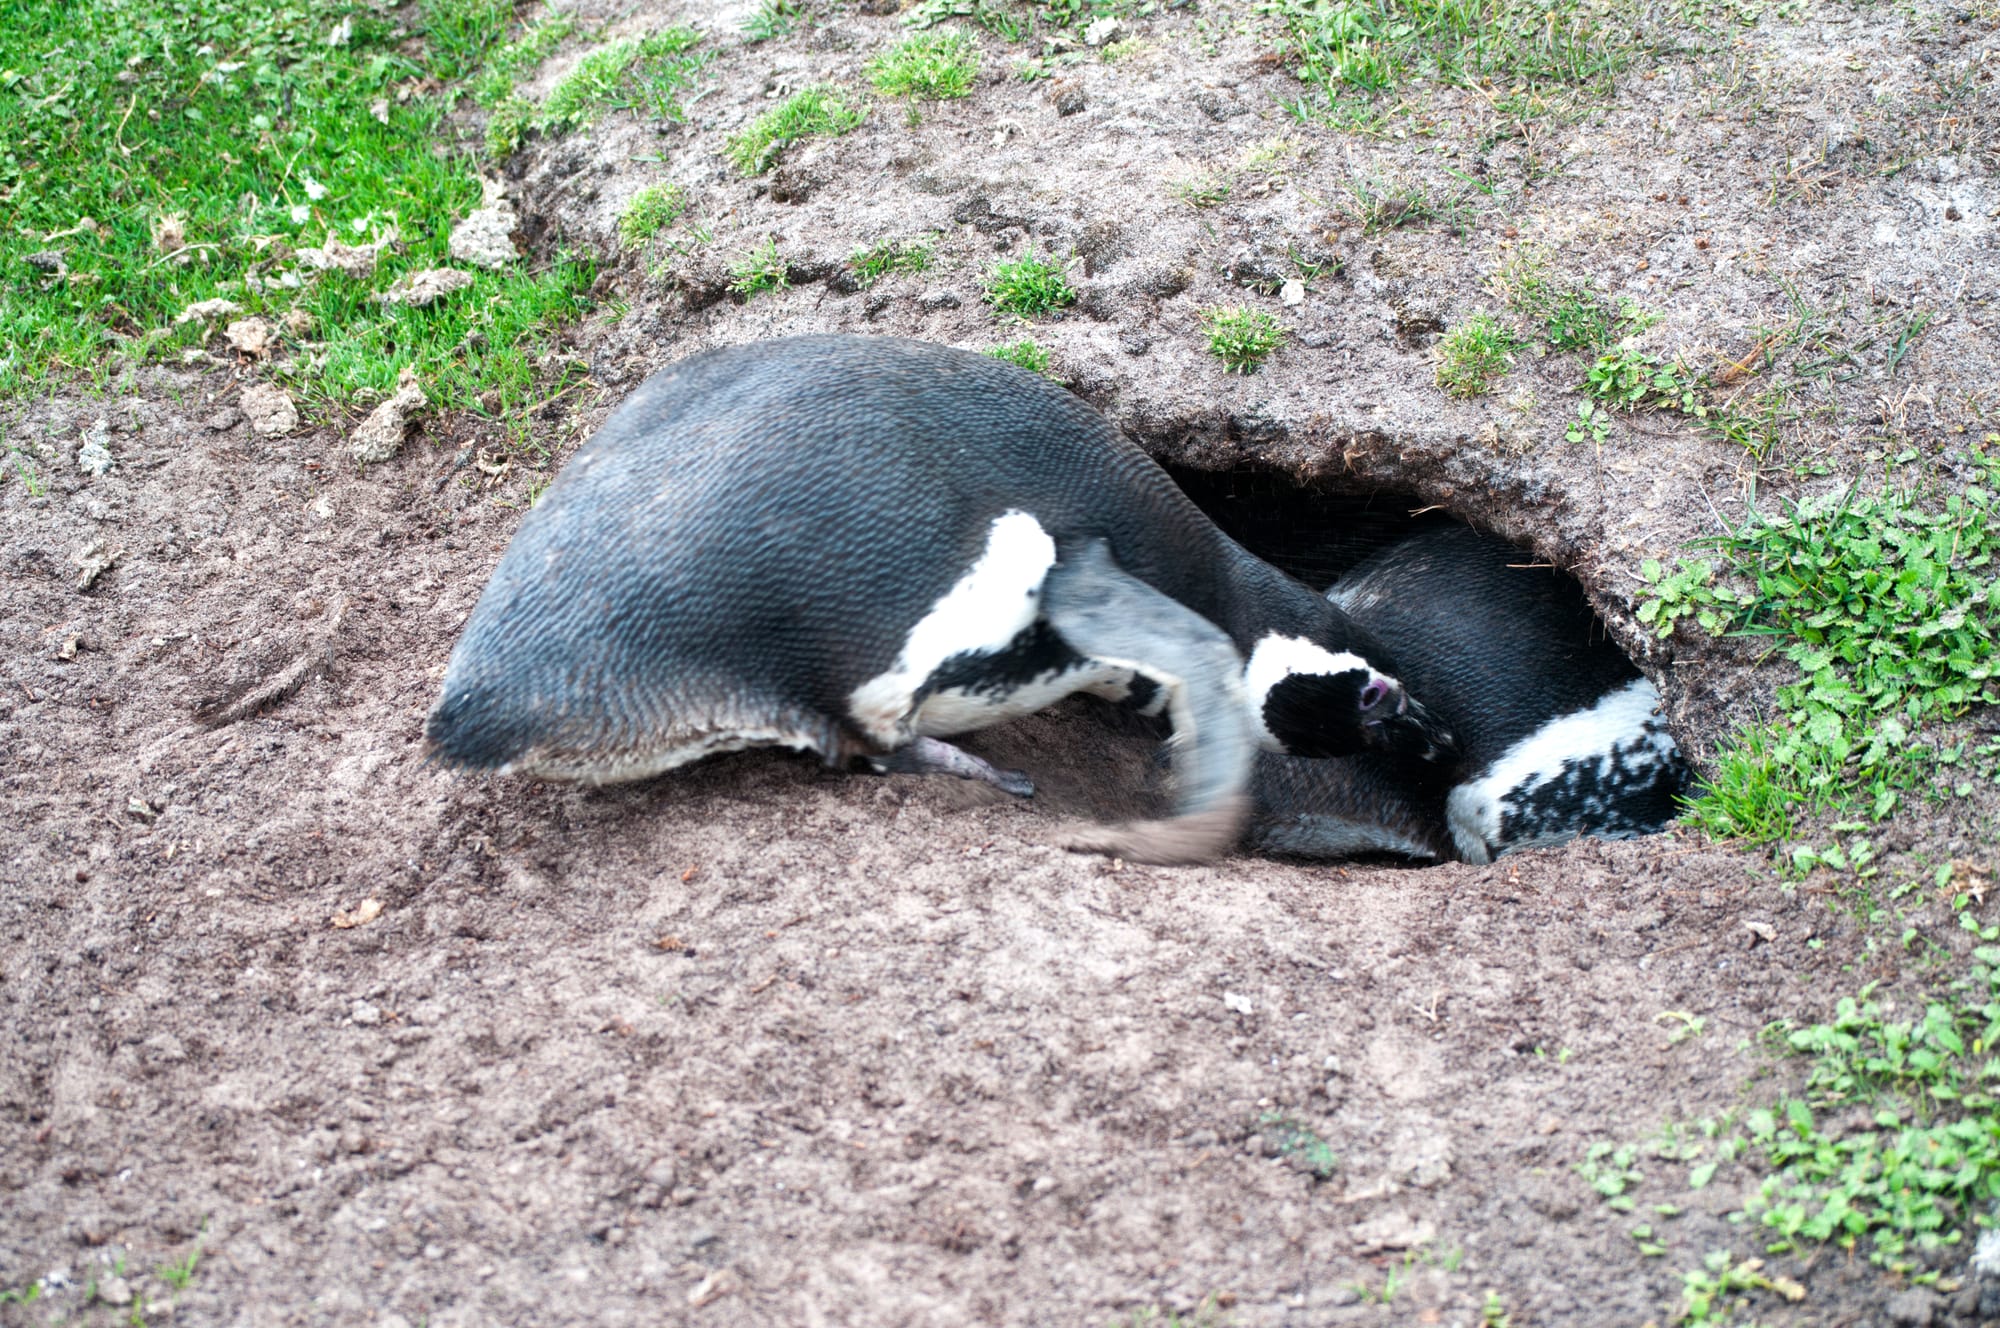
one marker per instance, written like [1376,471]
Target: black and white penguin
[857,545]
[1559,734]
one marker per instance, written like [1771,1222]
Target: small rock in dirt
[1915,1307]
[1218,107]
[254,337]
[1100,31]
[1067,98]
[933,301]
[1393,1230]
[1292,292]
[381,434]
[365,1013]
[69,647]
[421,289]
[95,560]
[207,310]
[298,322]
[270,409]
[368,910]
[47,260]
[94,456]
[712,1288]
[1424,1160]
[117,1291]
[486,237]
[1237,1001]
[223,420]
[701,1238]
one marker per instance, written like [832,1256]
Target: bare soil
[758,1044]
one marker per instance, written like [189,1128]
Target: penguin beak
[1392,721]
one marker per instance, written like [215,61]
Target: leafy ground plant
[1881,601]
[808,113]
[761,269]
[649,74]
[1241,338]
[1028,287]
[241,133]
[935,66]
[1473,354]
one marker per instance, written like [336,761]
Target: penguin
[860,546]
[1559,734]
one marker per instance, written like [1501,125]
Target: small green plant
[651,211]
[1028,287]
[1493,1312]
[773,19]
[180,1275]
[1571,315]
[1376,204]
[1473,354]
[25,469]
[1591,425]
[1611,1171]
[458,32]
[807,113]
[1208,1314]
[761,269]
[1630,378]
[1707,1292]
[872,264]
[641,72]
[1202,190]
[1688,590]
[934,66]
[1292,1138]
[1685,1027]
[1241,338]
[1025,354]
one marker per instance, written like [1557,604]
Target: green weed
[761,269]
[1708,1292]
[1293,1138]
[1377,204]
[1611,1171]
[1202,190]
[651,211]
[1025,354]
[1241,338]
[504,64]
[773,19]
[872,264]
[1571,315]
[180,1275]
[807,113]
[1881,602]
[1029,286]
[1208,1314]
[1591,425]
[935,66]
[646,73]
[1473,354]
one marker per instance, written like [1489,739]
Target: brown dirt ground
[756,1044]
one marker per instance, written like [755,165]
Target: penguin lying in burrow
[1559,734]
[857,546]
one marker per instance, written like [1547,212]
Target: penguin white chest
[996,599]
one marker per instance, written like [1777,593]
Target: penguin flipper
[1105,613]
[928,756]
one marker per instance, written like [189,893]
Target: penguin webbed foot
[928,756]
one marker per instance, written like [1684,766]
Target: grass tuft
[1241,338]
[651,211]
[1025,354]
[872,264]
[1029,286]
[1473,354]
[935,66]
[807,113]
[761,269]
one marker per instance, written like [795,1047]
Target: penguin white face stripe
[999,595]
[1277,658]
[1621,725]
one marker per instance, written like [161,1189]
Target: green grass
[1241,338]
[1025,354]
[773,19]
[649,74]
[1473,354]
[201,139]
[808,113]
[1202,190]
[1569,314]
[934,66]
[508,62]
[1028,287]
[1880,601]
[761,269]
[872,264]
[651,211]
[1348,47]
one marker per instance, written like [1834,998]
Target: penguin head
[1312,701]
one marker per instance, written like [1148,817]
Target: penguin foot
[928,756]
[1177,840]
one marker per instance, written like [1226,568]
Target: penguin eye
[1372,694]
